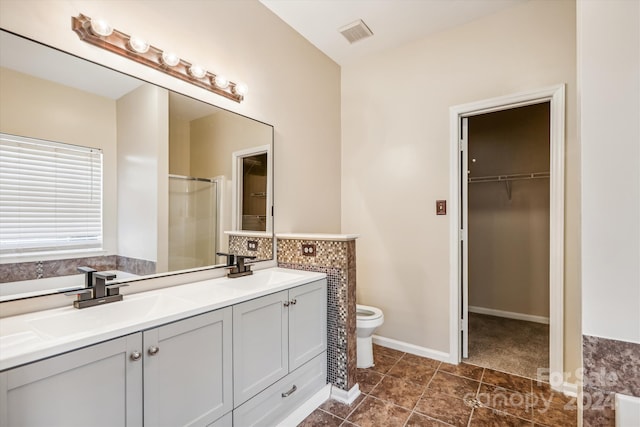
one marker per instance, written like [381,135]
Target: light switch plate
[441,207]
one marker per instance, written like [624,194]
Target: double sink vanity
[219,352]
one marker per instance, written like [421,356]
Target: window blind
[50,196]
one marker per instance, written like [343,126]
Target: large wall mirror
[160,189]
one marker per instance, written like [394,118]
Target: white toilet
[367,320]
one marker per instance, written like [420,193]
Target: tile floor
[411,391]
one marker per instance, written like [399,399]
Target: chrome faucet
[96,291]
[236,264]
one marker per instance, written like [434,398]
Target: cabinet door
[187,371]
[96,386]
[260,344]
[307,322]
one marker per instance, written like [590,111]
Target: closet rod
[512,177]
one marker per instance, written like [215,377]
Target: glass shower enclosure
[193,222]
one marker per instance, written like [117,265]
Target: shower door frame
[458,295]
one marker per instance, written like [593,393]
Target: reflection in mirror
[167,169]
[254,192]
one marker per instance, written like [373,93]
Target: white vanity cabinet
[96,386]
[279,352]
[178,374]
[218,353]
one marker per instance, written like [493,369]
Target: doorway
[459,231]
[507,208]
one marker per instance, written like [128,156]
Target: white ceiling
[41,61]
[393,22]
[28,57]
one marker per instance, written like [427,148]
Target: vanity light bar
[99,33]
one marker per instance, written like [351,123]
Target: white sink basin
[18,339]
[226,288]
[76,321]
[260,280]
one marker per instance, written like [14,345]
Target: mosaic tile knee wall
[238,245]
[338,260]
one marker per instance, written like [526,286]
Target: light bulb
[241,89]
[197,71]
[221,81]
[138,45]
[100,27]
[170,59]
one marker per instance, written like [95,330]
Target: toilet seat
[365,312]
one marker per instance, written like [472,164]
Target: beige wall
[179,145]
[214,138]
[509,236]
[143,188]
[609,71]
[38,108]
[395,158]
[292,85]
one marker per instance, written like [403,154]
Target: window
[50,196]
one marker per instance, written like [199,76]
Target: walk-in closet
[508,226]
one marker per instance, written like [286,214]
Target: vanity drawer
[277,401]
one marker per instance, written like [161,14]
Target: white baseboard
[509,314]
[412,349]
[304,410]
[570,389]
[347,397]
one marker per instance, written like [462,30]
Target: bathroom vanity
[219,352]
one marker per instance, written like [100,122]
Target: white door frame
[555,96]
[236,188]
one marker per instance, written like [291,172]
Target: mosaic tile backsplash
[238,245]
[610,367]
[337,260]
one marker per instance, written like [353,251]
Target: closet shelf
[512,177]
[508,178]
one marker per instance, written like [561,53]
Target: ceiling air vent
[356,31]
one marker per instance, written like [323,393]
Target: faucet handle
[114,289]
[87,269]
[231,258]
[82,294]
[77,292]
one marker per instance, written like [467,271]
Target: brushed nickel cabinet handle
[135,356]
[286,303]
[290,392]
[294,301]
[153,350]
